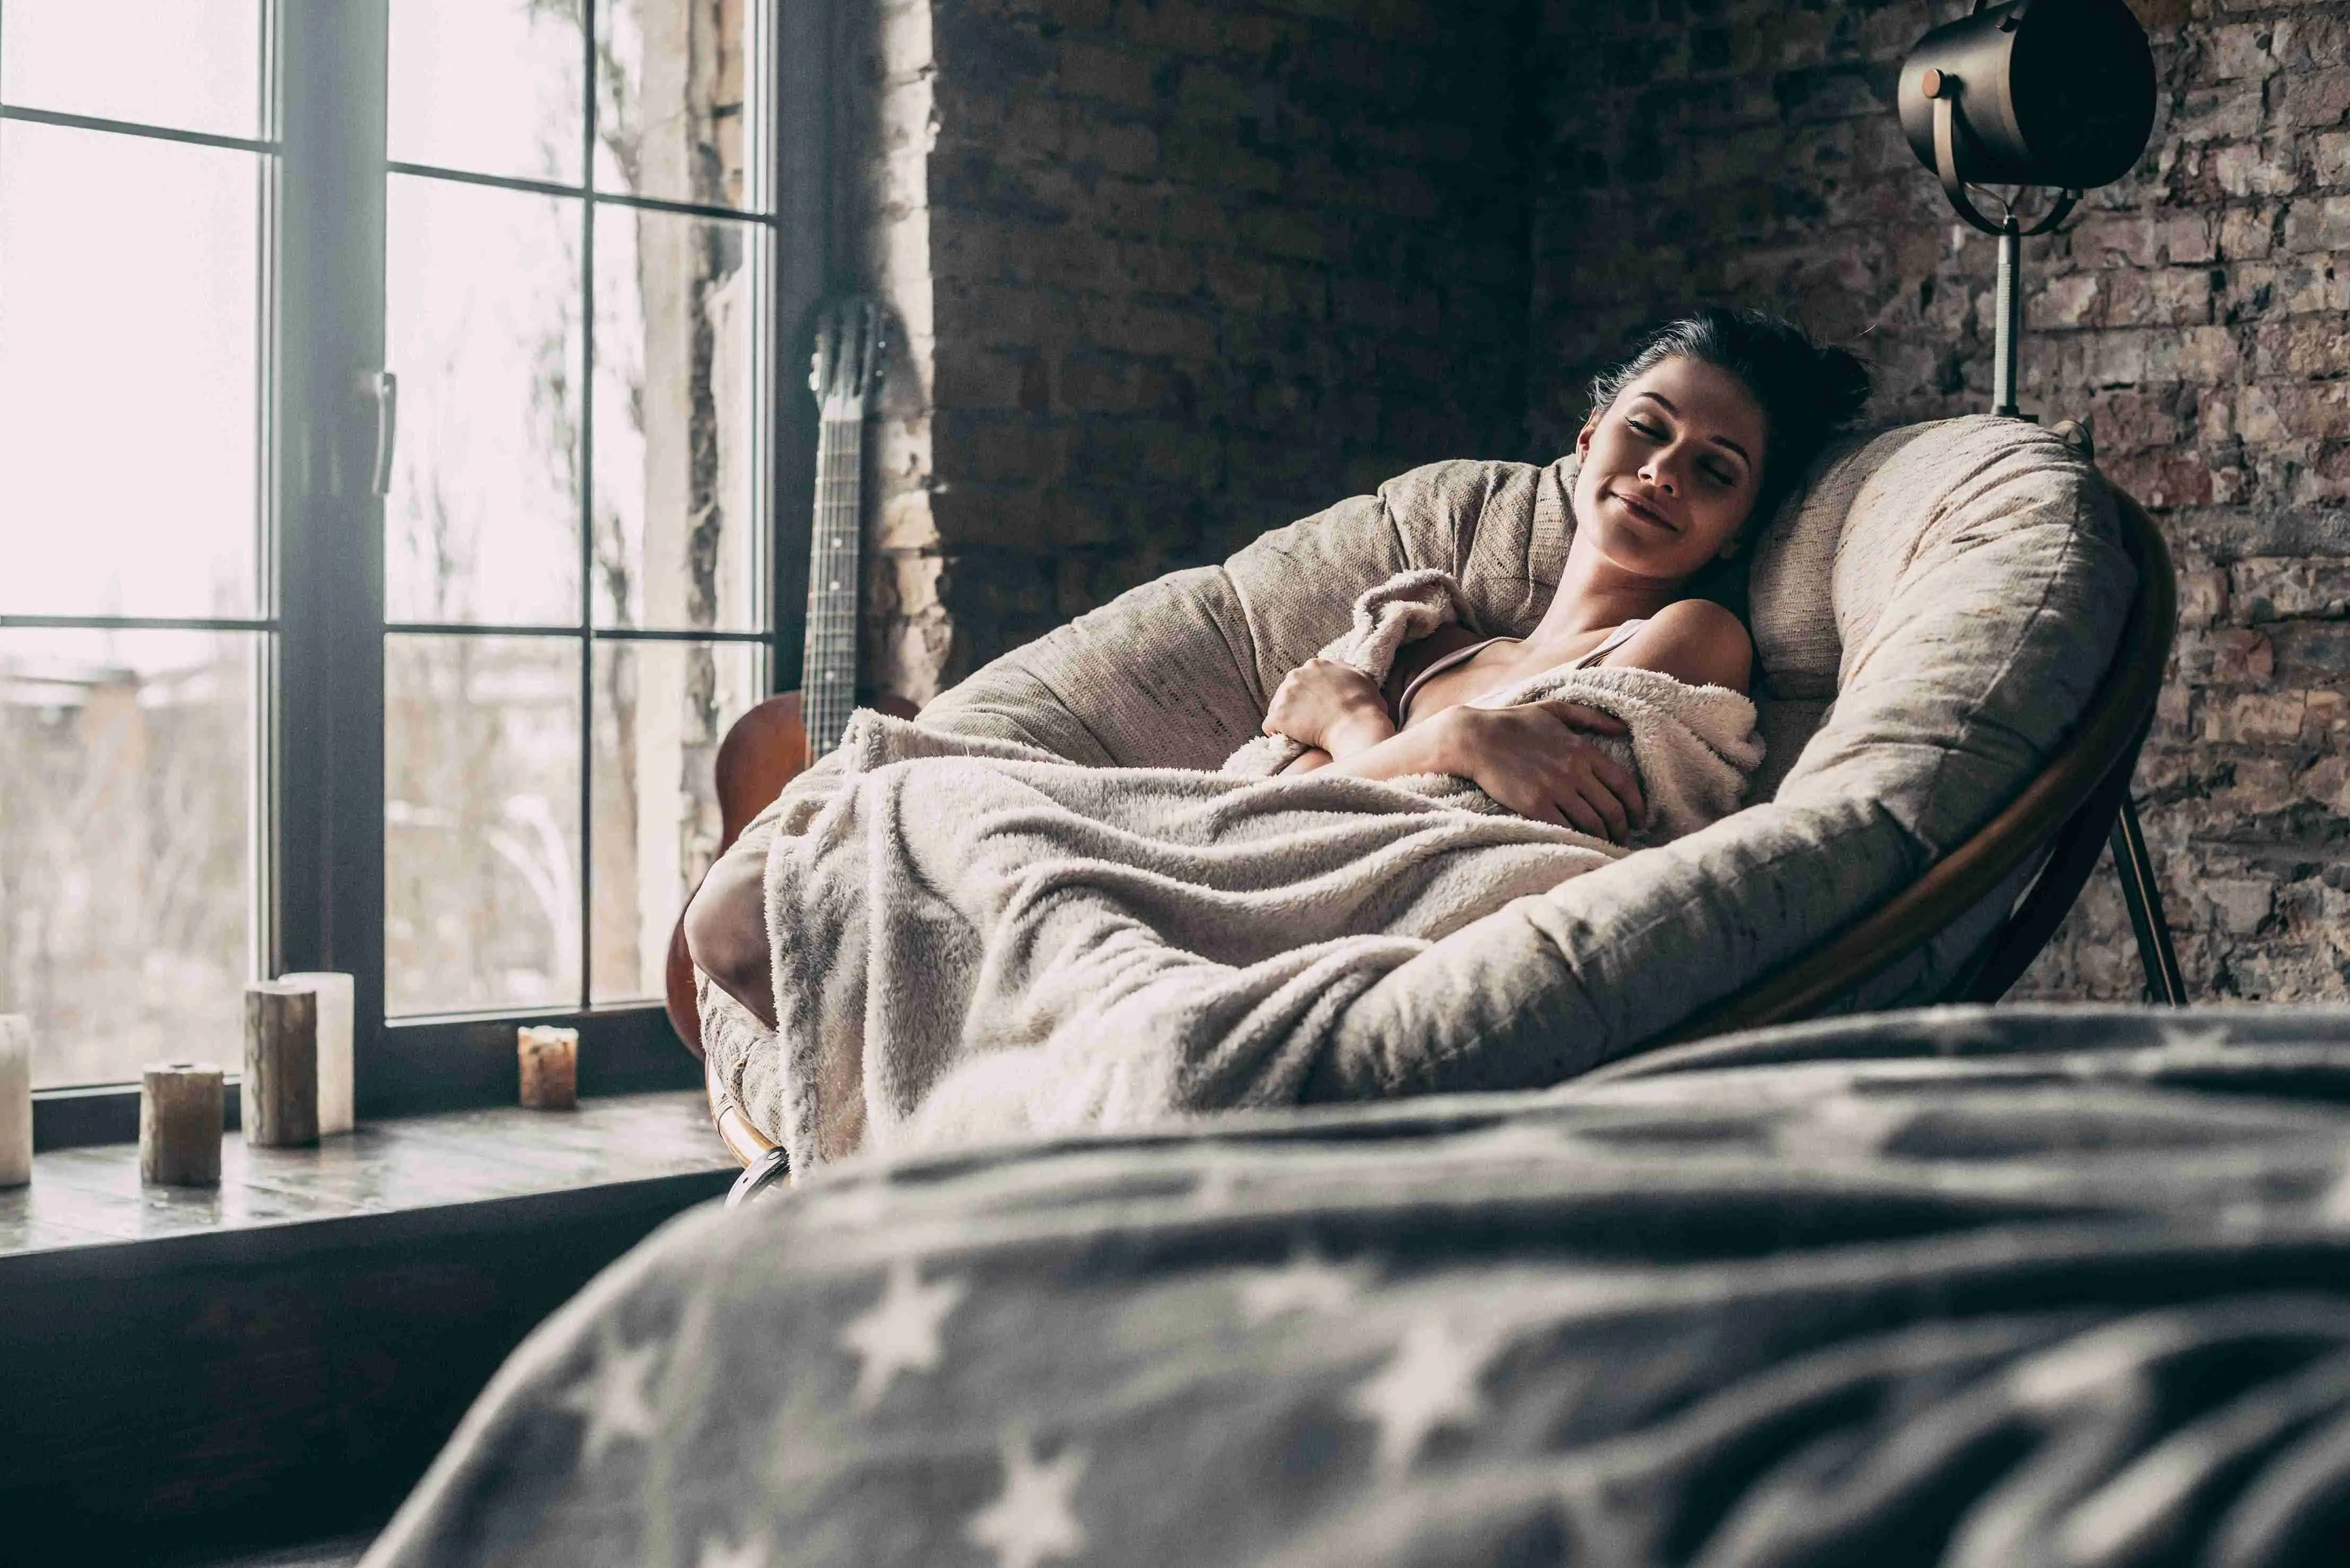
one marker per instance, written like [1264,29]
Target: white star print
[844,1208]
[1431,1382]
[613,1400]
[901,1333]
[2334,1207]
[1031,1522]
[2192,1038]
[1217,1188]
[1308,1282]
[752,1554]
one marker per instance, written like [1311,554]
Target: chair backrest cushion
[1930,614]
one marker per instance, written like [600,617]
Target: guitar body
[765,749]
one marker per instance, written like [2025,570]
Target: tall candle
[279,1091]
[16,1099]
[335,1014]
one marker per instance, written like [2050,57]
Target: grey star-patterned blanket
[975,940]
[1995,1288]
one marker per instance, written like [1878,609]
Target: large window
[391,446]
[138,171]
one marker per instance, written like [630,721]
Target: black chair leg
[2139,891]
[764,1175]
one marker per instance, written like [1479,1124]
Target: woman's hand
[1536,760]
[1330,706]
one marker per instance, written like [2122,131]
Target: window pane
[681,102]
[679,330]
[126,767]
[483,324]
[492,87]
[661,708]
[191,65]
[482,759]
[129,390]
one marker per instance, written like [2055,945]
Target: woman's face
[1670,469]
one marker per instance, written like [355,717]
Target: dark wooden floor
[192,1376]
[85,1197]
[343,1551]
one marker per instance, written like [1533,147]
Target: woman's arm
[1533,758]
[1333,709]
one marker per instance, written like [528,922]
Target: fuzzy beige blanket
[973,939]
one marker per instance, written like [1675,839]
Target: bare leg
[726,929]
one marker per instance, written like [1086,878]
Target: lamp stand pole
[2009,309]
[2132,863]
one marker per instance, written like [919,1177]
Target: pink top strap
[1458,656]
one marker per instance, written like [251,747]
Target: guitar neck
[828,672]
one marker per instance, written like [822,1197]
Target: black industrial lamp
[2056,95]
[2050,93]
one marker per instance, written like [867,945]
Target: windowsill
[278,1358]
[361,1181]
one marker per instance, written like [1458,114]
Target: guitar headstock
[851,347]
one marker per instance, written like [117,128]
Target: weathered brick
[2323,224]
[2253,168]
[2256,718]
[2268,588]
[2329,165]
[2318,99]
[2239,50]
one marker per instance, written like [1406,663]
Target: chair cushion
[1931,615]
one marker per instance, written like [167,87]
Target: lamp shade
[2046,92]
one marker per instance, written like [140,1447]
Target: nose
[1664,475]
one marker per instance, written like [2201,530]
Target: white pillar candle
[336,1011]
[16,1099]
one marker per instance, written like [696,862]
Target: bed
[2025,1285]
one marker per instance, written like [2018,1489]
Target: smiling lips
[1647,513]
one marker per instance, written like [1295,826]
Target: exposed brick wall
[1746,150]
[1173,273]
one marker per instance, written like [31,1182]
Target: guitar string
[829,681]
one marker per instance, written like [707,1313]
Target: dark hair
[1809,393]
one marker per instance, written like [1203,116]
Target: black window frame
[321,732]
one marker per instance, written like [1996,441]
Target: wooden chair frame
[2065,812]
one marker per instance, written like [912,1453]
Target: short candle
[550,1066]
[181,1108]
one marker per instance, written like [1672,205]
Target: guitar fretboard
[828,674]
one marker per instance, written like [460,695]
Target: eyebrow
[1667,404]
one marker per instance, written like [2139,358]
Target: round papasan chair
[1961,630]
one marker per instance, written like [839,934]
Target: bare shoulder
[1694,641]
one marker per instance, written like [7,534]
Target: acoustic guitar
[775,741]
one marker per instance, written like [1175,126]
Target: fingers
[1623,784]
[1583,716]
[1580,813]
[1610,811]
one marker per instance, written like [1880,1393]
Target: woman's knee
[726,932]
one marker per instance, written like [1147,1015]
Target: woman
[1709,424]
